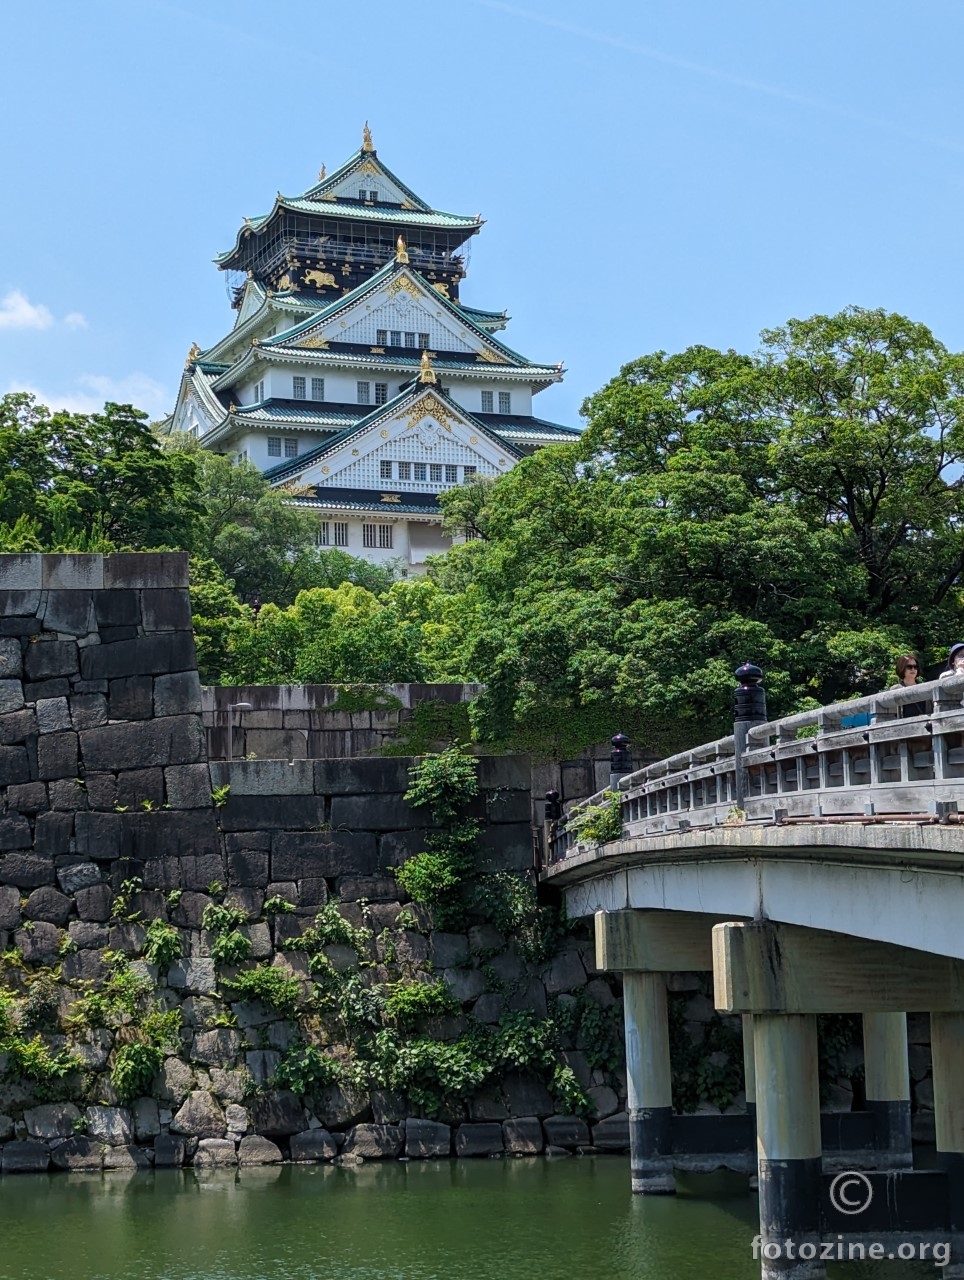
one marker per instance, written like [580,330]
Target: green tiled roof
[381,213]
[360,156]
[331,418]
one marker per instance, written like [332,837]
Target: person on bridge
[955,662]
[908,673]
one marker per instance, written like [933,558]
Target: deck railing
[891,756]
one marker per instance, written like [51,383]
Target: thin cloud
[18,312]
[715,73]
[75,320]
[91,390]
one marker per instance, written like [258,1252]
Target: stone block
[98,835]
[127,1157]
[375,1141]
[167,833]
[506,806]
[79,875]
[488,1104]
[199,1116]
[217,1048]
[9,906]
[67,794]
[164,741]
[465,984]
[295,856]
[57,756]
[117,608]
[22,572]
[158,654]
[11,660]
[131,698]
[178,694]
[427,1139]
[54,1120]
[612,1133]
[47,903]
[88,710]
[78,1155]
[279,744]
[247,867]
[564,972]
[86,934]
[340,1105]
[169,1151]
[17,726]
[374,813]
[19,627]
[265,777]
[272,813]
[229,1086]
[257,1150]
[46,659]
[215,1153]
[312,1145]
[14,766]
[166,609]
[522,1136]
[188,786]
[396,847]
[501,773]
[94,903]
[29,1156]
[84,966]
[25,871]
[489,1007]
[135,786]
[15,832]
[277,1114]
[604,1100]
[478,1140]
[52,833]
[195,976]
[16,604]
[369,888]
[27,797]
[533,998]
[566,1131]
[312,892]
[154,570]
[11,696]
[526,1096]
[366,776]
[73,572]
[111,1125]
[448,950]
[507,847]
[70,612]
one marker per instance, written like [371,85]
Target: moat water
[468,1220]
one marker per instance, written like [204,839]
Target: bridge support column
[649,1083]
[788,1144]
[888,1086]
[749,1067]
[947,1051]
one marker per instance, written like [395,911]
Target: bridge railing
[892,755]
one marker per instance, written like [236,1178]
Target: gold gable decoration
[319,279]
[431,407]
[405,283]
[369,166]
[296,489]
[489,357]
[315,340]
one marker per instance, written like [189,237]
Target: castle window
[259,391]
[486,401]
[423,341]
[385,536]
[396,338]
[404,471]
[362,194]
[381,392]
[451,475]
[410,339]
[274,446]
[435,473]
[419,470]
[381,337]
[364,392]
[385,470]
[323,534]
[291,446]
[317,388]
[505,402]
[467,472]
[369,536]
[341,533]
[298,389]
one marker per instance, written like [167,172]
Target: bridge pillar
[888,1086]
[649,1083]
[788,1144]
[947,1051]
[749,1067]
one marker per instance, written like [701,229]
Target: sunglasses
[910,666]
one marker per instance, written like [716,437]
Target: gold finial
[426,373]
[367,144]
[321,174]
[192,355]
[401,253]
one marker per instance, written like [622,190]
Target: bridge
[814,864]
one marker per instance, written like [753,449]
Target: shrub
[304,1067]
[163,943]
[444,782]
[598,823]
[407,1002]
[231,948]
[273,986]
[135,1066]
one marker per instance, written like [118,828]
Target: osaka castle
[354,377]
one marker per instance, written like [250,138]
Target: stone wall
[316,721]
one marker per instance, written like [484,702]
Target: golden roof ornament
[321,174]
[192,355]
[367,144]
[401,253]
[425,371]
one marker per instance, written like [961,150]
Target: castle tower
[354,377]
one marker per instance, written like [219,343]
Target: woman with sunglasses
[908,673]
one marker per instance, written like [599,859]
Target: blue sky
[654,174]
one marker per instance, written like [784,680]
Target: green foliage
[277,906]
[839,1040]
[304,1068]
[408,1002]
[222,919]
[711,1069]
[365,697]
[444,782]
[45,1067]
[220,795]
[274,987]
[134,1067]
[231,947]
[432,726]
[163,943]
[595,824]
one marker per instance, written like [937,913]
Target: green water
[468,1220]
